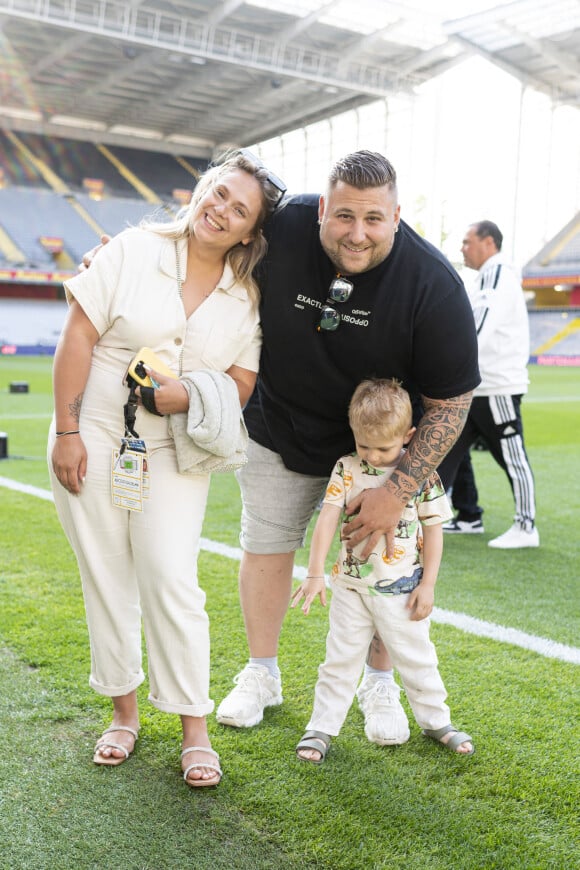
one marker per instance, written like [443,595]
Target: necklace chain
[178,271]
[180,291]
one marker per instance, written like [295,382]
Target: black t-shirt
[407,318]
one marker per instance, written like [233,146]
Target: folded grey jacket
[212,435]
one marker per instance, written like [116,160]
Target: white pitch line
[469,624]
[26,488]
[541,645]
[47,416]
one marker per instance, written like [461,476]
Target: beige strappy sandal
[113,760]
[198,765]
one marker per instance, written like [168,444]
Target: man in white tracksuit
[501,320]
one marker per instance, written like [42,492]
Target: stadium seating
[32,322]
[550,332]
[568,346]
[162,173]
[28,213]
[15,169]
[73,161]
[72,190]
[115,214]
[31,325]
[44,193]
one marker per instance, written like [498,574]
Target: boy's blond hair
[380,406]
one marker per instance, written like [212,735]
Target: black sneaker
[464,527]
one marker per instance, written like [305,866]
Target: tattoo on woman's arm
[74,408]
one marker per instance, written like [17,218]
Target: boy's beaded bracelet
[315,576]
[69,432]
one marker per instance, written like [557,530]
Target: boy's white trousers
[354,618]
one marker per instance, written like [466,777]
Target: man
[501,320]
[348,291]
[464,498]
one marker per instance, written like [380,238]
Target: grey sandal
[458,738]
[317,740]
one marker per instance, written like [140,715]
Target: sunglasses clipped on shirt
[340,290]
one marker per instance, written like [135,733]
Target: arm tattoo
[74,408]
[437,432]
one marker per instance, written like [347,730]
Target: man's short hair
[483,229]
[363,169]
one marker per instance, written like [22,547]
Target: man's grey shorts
[277,504]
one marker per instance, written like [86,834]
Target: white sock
[387,676]
[270,663]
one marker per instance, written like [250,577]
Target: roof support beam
[544,48]
[323,108]
[222,11]
[166,30]
[301,24]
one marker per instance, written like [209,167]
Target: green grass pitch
[514,804]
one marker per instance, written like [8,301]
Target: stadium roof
[191,76]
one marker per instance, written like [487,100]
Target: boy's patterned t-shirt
[380,574]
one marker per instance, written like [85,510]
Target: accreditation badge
[130,474]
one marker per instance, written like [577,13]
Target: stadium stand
[124,172]
[58,195]
[17,170]
[30,325]
[115,214]
[72,161]
[570,344]
[162,173]
[26,214]
[545,325]
[34,325]
[554,335]
[553,273]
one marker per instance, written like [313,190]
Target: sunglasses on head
[270,176]
[273,179]
[339,291]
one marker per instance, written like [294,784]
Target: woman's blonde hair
[242,259]
[380,406]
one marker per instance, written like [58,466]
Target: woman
[184,289]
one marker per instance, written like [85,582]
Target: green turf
[513,805]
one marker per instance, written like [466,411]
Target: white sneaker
[385,720]
[516,538]
[255,689]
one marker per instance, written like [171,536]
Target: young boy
[393,597]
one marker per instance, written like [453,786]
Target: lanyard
[130,409]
